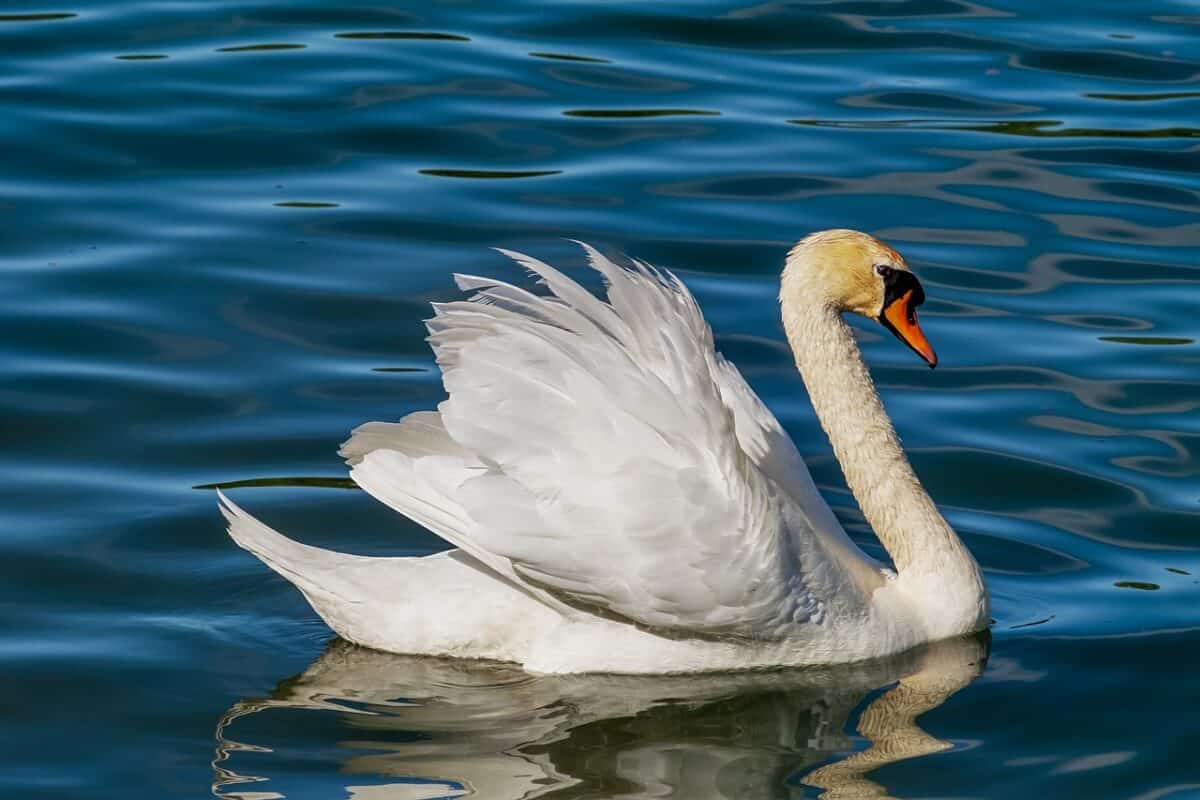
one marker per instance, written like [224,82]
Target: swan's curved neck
[920,542]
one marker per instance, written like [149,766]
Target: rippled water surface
[221,224]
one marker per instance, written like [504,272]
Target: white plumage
[619,498]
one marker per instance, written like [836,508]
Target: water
[221,224]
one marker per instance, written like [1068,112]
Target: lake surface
[221,224]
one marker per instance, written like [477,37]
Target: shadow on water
[382,726]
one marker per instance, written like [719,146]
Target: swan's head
[851,271]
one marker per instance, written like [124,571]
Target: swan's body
[620,499]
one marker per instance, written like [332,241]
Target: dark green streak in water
[305,204]
[567,57]
[1148,340]
[50,17]
[439,37]
[1144,586]
[636,113]
[489,174]
[1037,128]
[256,48]
[311,483]
[141,57]
[1143,98]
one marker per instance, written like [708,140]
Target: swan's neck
[922,545]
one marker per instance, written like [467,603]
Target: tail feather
[443,604]
[320,574]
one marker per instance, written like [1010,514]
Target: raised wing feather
[818,536]
[611,470]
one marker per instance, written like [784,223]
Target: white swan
[622,501]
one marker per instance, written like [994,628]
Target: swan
[618,498]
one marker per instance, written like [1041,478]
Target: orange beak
[900,317]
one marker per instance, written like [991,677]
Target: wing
[767,444]
[609,468]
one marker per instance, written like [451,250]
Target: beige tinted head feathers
[847,270]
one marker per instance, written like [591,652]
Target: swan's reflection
[423,728]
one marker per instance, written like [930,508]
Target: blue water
[221,224]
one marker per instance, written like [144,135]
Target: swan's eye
[882,270]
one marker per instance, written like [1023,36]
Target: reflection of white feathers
[420,728]
[406,791]
[619,497]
